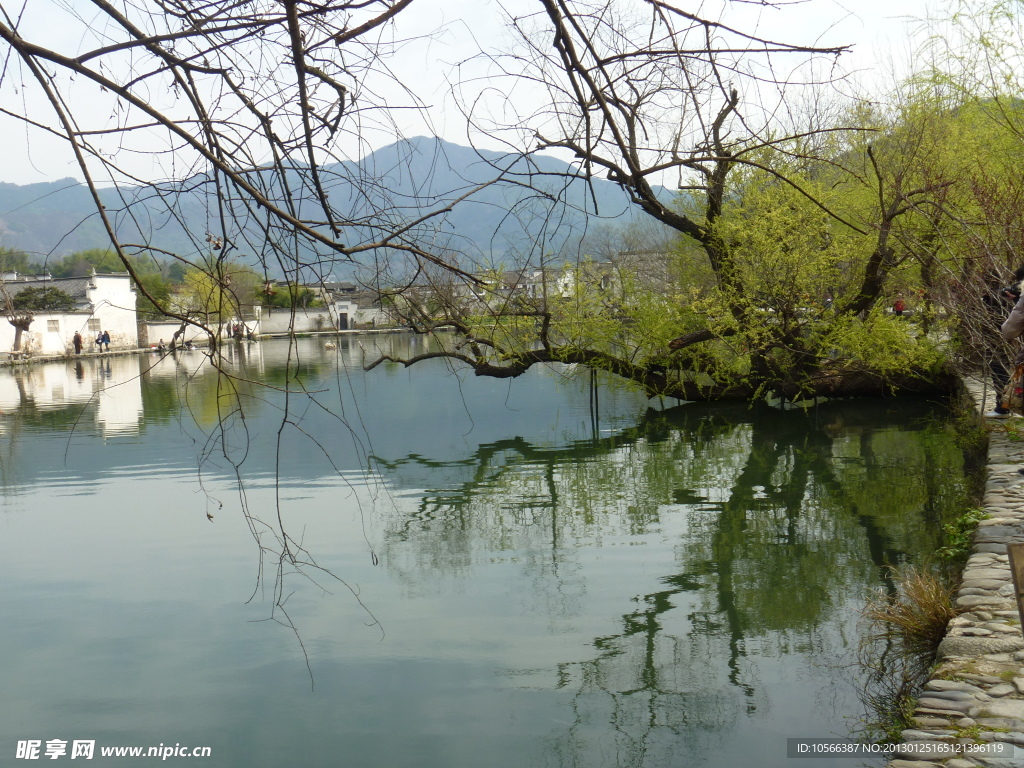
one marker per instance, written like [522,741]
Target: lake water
[410,567]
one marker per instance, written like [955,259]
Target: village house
[351,306]
[560,282]
[102,303]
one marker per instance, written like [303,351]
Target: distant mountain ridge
[505,221]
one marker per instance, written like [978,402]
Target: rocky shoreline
[976,693]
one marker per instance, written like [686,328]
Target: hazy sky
[879,30]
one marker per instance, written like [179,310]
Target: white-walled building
[345,307]
[102,303]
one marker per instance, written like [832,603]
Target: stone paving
[976,693]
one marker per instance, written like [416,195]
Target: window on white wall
[94,324]
[53,326]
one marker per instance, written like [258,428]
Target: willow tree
[791,231]
[219,291]
[973,73]
[245,111]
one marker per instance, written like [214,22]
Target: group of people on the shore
[240,331]
[102,342]
[160,347]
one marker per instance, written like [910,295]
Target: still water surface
[498,580]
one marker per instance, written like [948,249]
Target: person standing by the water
[998,298]
[899,306]
[1012,328]
[106,341]
[76,340]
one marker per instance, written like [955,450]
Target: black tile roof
[75,287]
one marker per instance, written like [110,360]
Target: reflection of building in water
[168,366]
[242,358]
[112,383]
[246,356]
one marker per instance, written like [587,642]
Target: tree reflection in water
[769,527]
[784,519]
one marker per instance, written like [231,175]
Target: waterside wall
[976,693]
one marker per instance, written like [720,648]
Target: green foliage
[795,282]
[777,316]
[972,732]
[43,299]
[959,534]
[160,289]
[288,296]
[1014,432]
[176,272]
[16,261]
[80,264]
[778,285]
[219,290]
[899,718]
[879,342]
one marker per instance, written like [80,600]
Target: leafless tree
[647,93]
[229,119]
[243,111]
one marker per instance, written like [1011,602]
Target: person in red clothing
[900,306]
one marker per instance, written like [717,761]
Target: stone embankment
[12,360]
[976,693]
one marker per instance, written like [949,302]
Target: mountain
[52,217]
[534,209]
[519,215]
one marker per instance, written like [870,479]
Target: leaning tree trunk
[178,334]
[21,323]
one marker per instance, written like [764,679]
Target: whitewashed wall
[152,333]
[365,317]
[41,339]
[306,321]
[113,302]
